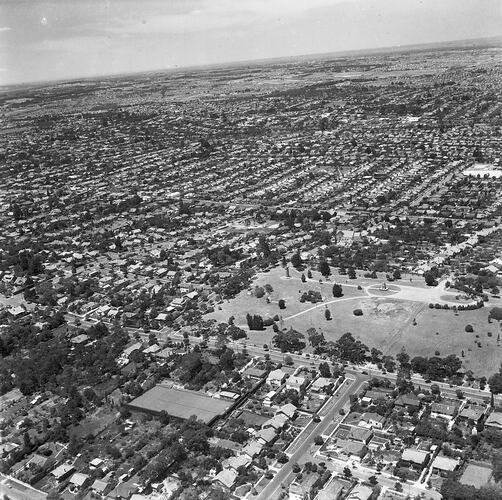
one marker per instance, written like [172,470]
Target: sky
[65,39]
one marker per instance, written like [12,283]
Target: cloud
[203,15]
[5,28]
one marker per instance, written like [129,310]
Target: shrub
[318,440]
[268,322]
[358,312]
[496,313]
[469,328]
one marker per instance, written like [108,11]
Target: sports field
[179,403]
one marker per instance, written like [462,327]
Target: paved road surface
[303,445]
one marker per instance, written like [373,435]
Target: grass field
[179,403]
[387,322]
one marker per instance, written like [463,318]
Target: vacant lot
[179,403]
[93,424]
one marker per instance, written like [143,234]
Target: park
[394,315]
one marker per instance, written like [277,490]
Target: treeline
[436,368]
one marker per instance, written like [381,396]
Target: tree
[304,279]
[289,341]
[296,260]
[403,358]
[419,364]
[337,290]
[496,313]
[255,322]
[324,370]
[327,314]
[227,360]
[315,338]
[398,487]
[236,333]
[318,440]
[282,304]
[349,349]
[430,279]
[376,355]
[396,274]
[263,246]
[347,472]
[324,268]
[469,328]
[351,273]
[388,363]
[495,382]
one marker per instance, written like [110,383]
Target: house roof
[407,400]
[360,492]
[444,409]
[252,448]
[445,464]
[321,383]
[289,409]
[276,422]
[372,416]
[226,477]
[473,412]
[238,461]
[415,456]
[79,479]
[99,485]
[267,434]
[360,434]
[62,470]
[297,381]
[276,375]
[350,447]
[494,419]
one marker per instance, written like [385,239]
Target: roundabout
[383,290]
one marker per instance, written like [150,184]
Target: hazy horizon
[45,40]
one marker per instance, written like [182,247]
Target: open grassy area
[387,322]
[288,289]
